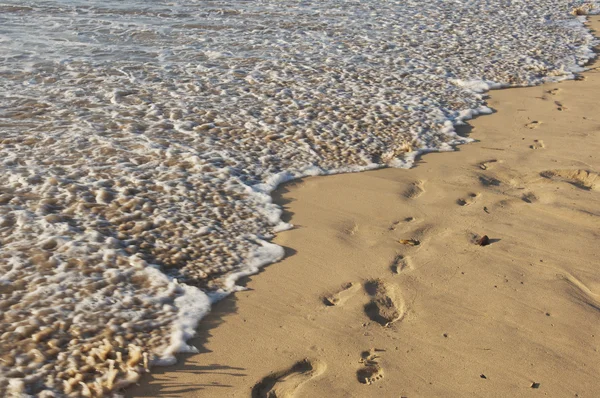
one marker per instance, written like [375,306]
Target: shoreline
[422,190]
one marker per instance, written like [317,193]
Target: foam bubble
[141,141]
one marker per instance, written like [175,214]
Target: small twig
[495,149]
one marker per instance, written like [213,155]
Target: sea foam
[140,142]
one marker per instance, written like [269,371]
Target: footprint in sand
[488,164]
[529,197]
[285,383]
[583,179]
[400,263]
[349,228]
[560,106]
[469,200]
[395,224]
[386,305]
[554,91]
[537,144]
[370,372]
[487,181]
[415,190]
[341,296]
[533,124]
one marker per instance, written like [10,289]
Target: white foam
[266,253]
[141,143]
[191,306]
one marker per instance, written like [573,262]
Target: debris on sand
[484,241]
[410,242]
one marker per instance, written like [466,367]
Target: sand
[353,312]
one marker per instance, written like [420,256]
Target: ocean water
[140,140]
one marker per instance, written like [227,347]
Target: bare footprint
[349,228]
[400,263]
[529,197]
[395,224]
[340,297]
[533,124]
[285,383]
[470,199]
[583,179]
[487,181]
[370,372]
[386,306]
[415,190]
[560,106]
[537,144]
[554,91]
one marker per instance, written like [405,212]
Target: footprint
[415,190]
[560,106]
[370,372]
[395,224]
[537,144]
[489,181]
[583,179]
[285,383]
[533,124]
[348,290]
[469,200]
[554,91]
[488,164]
[349,228]
[400,263]
[385,307]
[529,197]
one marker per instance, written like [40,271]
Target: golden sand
[353,312]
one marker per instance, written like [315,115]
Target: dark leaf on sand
[484,241]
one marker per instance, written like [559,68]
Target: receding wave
[139,142]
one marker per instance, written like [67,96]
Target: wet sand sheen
[463,320]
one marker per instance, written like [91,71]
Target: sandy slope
[352,312]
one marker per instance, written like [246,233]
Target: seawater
[140,140]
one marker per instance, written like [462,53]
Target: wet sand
[354,312]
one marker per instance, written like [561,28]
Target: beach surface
[385,292]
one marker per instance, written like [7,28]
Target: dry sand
[352,312]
